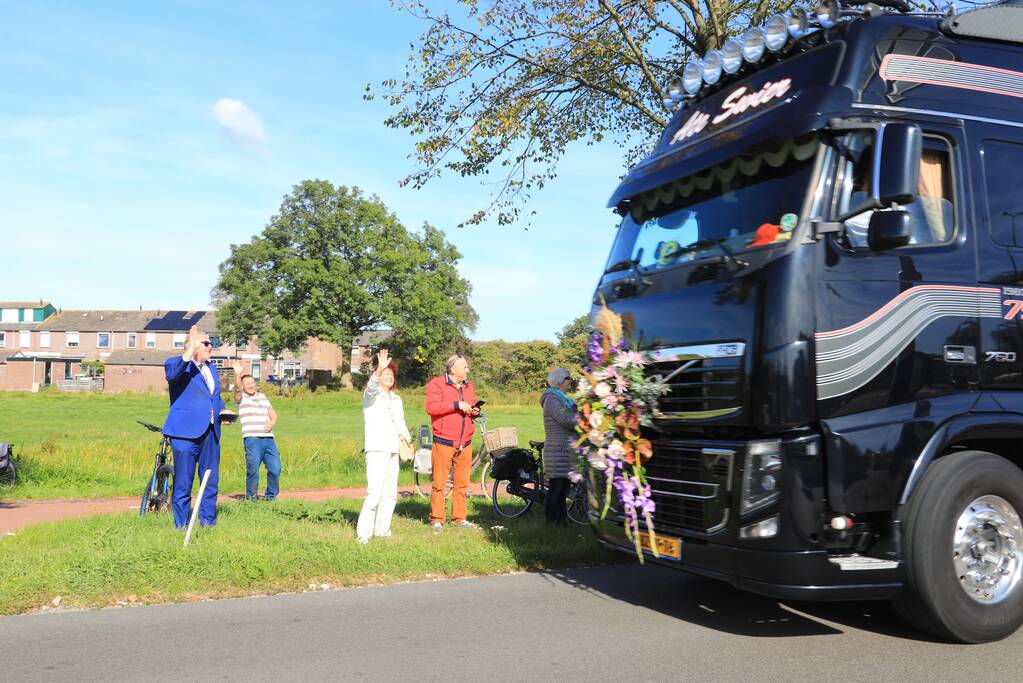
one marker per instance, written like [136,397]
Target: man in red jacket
[450,402]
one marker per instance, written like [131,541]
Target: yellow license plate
[667,546]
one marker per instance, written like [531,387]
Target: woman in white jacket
[385,425]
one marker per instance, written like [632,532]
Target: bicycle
[531,487]
[157,495]
[8,468]
[423,480]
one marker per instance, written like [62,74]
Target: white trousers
[381,494]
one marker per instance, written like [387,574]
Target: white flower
[616,450]
[596,417]
[602,389]
[597,437]
[597,459]
[584,386]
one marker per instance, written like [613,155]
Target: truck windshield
[747,202]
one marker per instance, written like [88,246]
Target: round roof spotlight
[798,24]
[776,32]
[675,92]
[712,65]
[752,44]
[827,13]
[692,78]
[731,56]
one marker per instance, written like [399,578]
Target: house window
[215,341]
[103,340]
[72,339]
[44,340]
[25,339]
[256,369]
[218,363]
[132,340]
[179,340]
[150,340]
[3,339]
[9,315]
[293,369]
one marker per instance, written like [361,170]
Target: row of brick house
[42,346]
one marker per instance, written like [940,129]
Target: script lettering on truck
[738,102]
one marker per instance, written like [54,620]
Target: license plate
[667,546]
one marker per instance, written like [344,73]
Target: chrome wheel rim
[985,549]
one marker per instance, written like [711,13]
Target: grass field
[259,548]
[88,445]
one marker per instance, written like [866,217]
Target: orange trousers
[446,459]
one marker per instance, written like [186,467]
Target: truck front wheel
[962,545]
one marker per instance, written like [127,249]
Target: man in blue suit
[193,425]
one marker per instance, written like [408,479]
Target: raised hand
[192,342]
[383,360]
[238,370]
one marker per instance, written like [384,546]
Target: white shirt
[378,407]
[204,370]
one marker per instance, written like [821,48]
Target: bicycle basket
[508,462]
[502,437]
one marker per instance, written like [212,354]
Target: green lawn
[263,547]
[88,445]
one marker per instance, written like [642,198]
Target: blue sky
[139,140]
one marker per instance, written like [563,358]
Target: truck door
[899,325]
[897,329]
[999,156]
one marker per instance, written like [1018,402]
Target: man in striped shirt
[257,418]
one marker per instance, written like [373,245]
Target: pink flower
[616,450]
[610,402]
[602,389]
[575,477]
[627,358]
[597,437]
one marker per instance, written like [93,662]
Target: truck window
[748,202]
[933,211]
[1002,160]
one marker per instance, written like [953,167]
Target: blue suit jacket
[191,400]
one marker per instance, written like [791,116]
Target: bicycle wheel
[161,499]
[8,475]
[423,484]
[577,504]
[510,505]
[147,494]
[484,471]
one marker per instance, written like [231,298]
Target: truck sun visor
[799,149]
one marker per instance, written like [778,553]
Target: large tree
[333,263]
[507,85]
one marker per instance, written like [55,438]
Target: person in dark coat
[559,419]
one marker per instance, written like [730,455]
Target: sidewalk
[15,514]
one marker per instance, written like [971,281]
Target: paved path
[15,514]
[604,624]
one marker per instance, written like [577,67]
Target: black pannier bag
[5,454]
[509,461]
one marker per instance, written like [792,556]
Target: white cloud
[242,125]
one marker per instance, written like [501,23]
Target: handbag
[405,452]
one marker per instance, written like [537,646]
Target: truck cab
[831,225]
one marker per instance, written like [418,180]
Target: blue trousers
[203,452]
[261,449]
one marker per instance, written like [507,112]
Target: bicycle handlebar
[150,427]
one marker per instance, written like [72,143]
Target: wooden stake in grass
[195,510]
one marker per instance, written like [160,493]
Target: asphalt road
[608,623]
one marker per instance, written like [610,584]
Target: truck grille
[705,380]
[690,483]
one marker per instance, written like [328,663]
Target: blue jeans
[261,449]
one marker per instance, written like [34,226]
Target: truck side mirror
[897,163]
[888,230]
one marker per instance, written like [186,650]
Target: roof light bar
[692,77]
[827,12]
[711,67]
[731,56]
[752,44]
